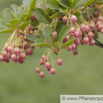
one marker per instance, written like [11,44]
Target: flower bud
[73,18]
[54,34]
[48,65]
[52,71]
[41,74]
[37,70]
[59,61]
[13,57]
[65,19]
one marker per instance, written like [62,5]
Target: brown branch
[98,42]
[98,45]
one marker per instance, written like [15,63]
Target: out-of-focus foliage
[83,74]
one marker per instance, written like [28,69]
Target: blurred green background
[81,74]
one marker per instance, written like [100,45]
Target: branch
[98,45]
[98,42]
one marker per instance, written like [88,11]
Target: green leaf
[77,14]
[79,9]
[63,11]
[51,36]
[41,34]
[8,14]
[3,23]
[47,31]
[41,16]
[24,25]
[64,31]
[24,17]
[35,23]
[48,11]
[71,1]
[52,4]
[100,2]
[6,31]
[15,8]
[20,12]
[56,44]
[78,3]
[43,5]
[59,26]
[29,13]
[32,37]
[15,23]
[54,15]
[41,43]
[88,2]
[64,3]
[33,4]
[68,43]
[11,26]
[90,10]
[27,3]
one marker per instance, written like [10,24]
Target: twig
[24,34]
[98,45]
[98,42]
